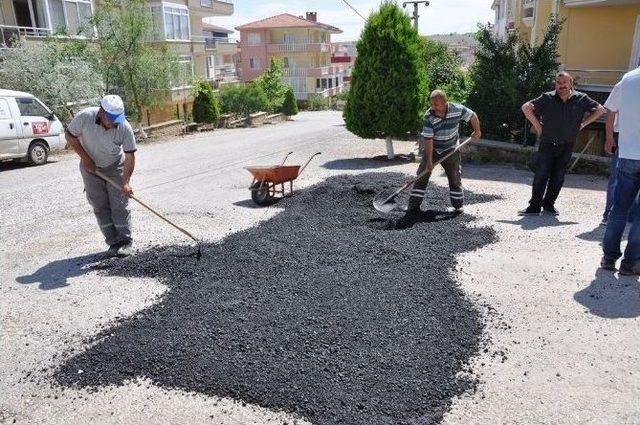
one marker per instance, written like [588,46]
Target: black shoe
[551,210]
[608,264]
[409,219]
[529,211]
[113,249]
[627,270]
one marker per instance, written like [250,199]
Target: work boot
[608,264]
[530,210]
[125,250]
[113,249]
[627,270]
[410,218]
[550,209]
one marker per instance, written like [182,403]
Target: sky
[440,17]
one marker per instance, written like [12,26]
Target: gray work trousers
[452,167]
[109,204]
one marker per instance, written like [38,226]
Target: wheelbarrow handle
[307,163]
[285,158]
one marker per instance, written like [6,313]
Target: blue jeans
[625,193]
[635,208]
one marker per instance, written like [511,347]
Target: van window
[5,112]
[31,107]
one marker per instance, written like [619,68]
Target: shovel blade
[383,204]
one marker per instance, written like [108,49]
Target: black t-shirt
[561,120]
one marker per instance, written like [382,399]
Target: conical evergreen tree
[388,93]
[206,108]
[290,106]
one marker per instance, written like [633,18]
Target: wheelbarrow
[268,181]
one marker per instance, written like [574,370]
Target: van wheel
[38,153]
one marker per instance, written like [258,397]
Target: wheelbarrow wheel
[261,195]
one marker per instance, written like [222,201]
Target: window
[206,3]
[74,15]
[286,62]
[184,75]
[176,21]
[330,82]
[31,108]
[288,38]
[254,38]
[337,83]
[255,63]
[5,112]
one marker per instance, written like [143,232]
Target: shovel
[197,254]
[387,204]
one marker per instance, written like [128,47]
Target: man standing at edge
[104,141]
[557,117]
[625,103]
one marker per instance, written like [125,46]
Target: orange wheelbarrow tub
[268,181]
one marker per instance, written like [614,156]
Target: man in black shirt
[557,117]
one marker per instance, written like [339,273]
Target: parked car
[28,129]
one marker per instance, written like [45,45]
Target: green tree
[443,65]
[317,102]
[290,106]
[271,83]
[243,99]
[140,71]
[49,73]
[205,104]
[495,89]
[388,93]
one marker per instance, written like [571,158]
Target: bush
[442,64]
[290,106]
[205,105]
[389,84]
[243,99]
[317,102]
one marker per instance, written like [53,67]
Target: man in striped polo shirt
[439,136]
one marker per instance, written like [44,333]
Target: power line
[355,10]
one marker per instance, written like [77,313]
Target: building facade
[178,23]
[304,47]
[223,54]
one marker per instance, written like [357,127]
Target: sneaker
[125,250]
[529,211]
[551,210]
[604,222]
[608,264]
[626,270]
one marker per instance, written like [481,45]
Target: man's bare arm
[530,113]
[86,160]
[475,124]
[129,166]
[593,116]
[427,146]
[610,143]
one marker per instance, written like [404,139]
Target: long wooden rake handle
[425,172]
[117,186]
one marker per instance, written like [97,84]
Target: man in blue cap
[104,141]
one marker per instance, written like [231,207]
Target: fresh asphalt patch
[320,312]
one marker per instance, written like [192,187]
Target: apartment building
[344,54]
[178,23]
[222,54]
[599,42]
[304,46]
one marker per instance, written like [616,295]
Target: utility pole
[415,4]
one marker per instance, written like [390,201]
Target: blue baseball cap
[114,108]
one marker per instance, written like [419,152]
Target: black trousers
[551,163]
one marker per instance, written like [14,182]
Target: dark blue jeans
[624,195]
[551,162]
[635,208]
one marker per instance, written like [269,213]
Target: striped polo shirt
[445,131]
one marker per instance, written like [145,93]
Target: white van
[28,129]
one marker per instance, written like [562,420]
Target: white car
[28,129]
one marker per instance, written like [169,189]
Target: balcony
[226,73]
[317,72]
[10,35]
[594,3]
[225,46]
[596,79]
[299,47]
[211,7]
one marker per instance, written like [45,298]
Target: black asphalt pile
[318,312]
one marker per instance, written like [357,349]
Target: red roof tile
[286,20]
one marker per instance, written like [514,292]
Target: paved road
[569,332]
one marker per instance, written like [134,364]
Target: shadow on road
[367,163]
[315,312]
[611,296]
[537,222]
[55,274]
